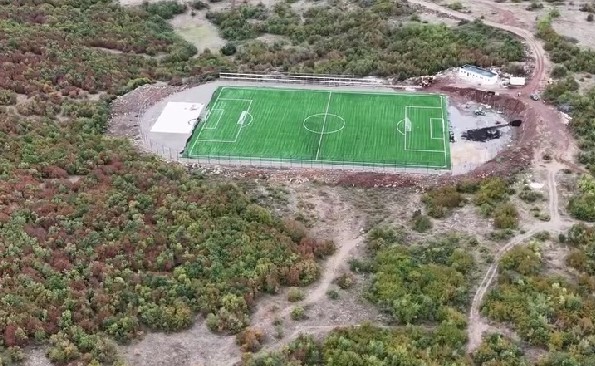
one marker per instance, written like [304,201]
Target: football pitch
[323,127]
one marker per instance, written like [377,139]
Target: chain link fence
[171,153]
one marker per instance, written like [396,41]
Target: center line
[328,103]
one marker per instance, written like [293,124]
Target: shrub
[7,97]
[199,5]
[422,223]
[522,260]
[582,207]
[491,191]
[295,294]
[250,339]
[361,265]
[554,13]
[231,316]
[164,9]
[534,5]
[332,294]
[229,49]
[559,71]
[439,201]
[590,18]
[295,229]
[457,6]
[345,281]
[298,313]
[529,195]
[506,216]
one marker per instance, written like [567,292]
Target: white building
[478,75]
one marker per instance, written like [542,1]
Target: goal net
[407,124]
[242,118]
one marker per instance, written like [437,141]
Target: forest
[359,39]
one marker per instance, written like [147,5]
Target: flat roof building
[478,75]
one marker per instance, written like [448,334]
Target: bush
[7,97]
[345,281]
[199,5]
[229,49]
[529,195]
[523,260]
[554,13]
[457,6]
[582,207]
[361,265]
[332,294]
[422,223]
[295,294]
[535,5]
[298,313]
[559,71]
[439,201]
[491,191]
[165,9]
[250,339]
[506,216]
[590,18]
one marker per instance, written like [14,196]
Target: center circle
[324,123]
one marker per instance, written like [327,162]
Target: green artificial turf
[323,127]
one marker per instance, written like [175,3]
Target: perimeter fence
[171,153]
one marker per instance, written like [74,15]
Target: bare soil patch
[198,30]
[194,347]
[573,23]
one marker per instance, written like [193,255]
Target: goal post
[408,124]
[242,119]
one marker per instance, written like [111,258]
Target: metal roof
[479,70]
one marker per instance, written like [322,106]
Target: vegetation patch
[440,201]
[582,204]
[548,311]
[499,350]
[369,345]
[422,283]
[363,40]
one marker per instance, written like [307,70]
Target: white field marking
[246,124]
[407,117]
[221,110]
[328,104]
[341,162]
[204,124]
[235,139]
[443,99]
[432,137]
[326,115]
[399,125]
